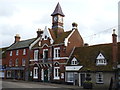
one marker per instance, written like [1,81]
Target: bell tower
[57,20]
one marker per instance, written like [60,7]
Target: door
[82,76]
[46,75]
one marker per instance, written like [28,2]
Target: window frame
[36,55]
[24,51]
[99,78]
[23,62]
[17,52]
[100,60]
[70,77]
[57,52]
[35,73]
[56,73]
[74,61]
[11,53]
[16,62]
[10,63]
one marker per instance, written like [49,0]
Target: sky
[95,18]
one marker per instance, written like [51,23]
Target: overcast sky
[95,18]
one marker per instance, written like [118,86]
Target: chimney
[39,33]
[74,25]
[114,48]
[17,38]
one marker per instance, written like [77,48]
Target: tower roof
[58,10]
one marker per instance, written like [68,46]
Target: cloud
[7,9]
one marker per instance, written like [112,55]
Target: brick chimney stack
[114,48]
[39,33]
[17,38]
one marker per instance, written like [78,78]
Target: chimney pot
[17,38]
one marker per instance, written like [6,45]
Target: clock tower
[57,20]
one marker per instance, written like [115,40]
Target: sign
[73,68]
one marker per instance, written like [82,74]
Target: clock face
[60,19]
[55,18]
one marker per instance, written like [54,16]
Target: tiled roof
[2,52]
[87,57]
[57,10]
[21,44]
[62,37]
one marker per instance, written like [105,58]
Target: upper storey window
[74,61]
[100,60]
[10,53]
[24,51]
[57,52]
[17,52]
[35,55]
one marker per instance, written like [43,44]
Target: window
[24,51]
[99,77]
[16,62]
[35,72]
[23,62]
[10,63]
[56,72]
[74,61]
[8,74]
[36,55]
[17,51]
[45,54]
[101,60]
[10,53]
[42,74]
[70,77]
[56,52]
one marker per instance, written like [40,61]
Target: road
[24,85]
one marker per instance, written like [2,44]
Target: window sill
[56,78]
[99,83]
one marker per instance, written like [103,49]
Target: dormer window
[100,60]
[74,61]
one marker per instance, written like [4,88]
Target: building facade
[54,50]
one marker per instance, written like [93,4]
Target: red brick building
[54,49]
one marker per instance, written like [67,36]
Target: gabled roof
[87,57]
[62,37]
[58,10]
[21,44]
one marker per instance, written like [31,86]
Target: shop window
[70,77]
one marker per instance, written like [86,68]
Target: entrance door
[82,76]
[46,75]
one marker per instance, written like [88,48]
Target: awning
[15,68]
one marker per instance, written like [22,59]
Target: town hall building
[60,56]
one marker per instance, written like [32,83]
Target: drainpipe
[114,55]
